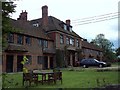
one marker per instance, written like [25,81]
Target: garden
[74,77]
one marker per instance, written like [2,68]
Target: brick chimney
[68,22]
[23,16]
[45,17]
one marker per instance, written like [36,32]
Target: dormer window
[70,28]
[36,25]
[65,27]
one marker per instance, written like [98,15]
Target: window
[61,39]
[77,43]
[20,39]
[40,60]
[72,41]
[40,42]
[67,41]
[65,27]
[45,44]
[28,40]
[70,28]
[10,38]
[36,25]
[29,59]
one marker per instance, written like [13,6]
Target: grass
[73,78]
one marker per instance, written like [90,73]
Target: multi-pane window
[28,40]
[77,43]
[10,38]
[43,43]
[72,41]
[40,59]
[61,39]
[65,27]
[70,28]
[40,42]
[67,40]
[20,39]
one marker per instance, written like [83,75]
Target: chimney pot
[68,22]
[23,16]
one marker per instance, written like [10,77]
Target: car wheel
[84,66]
[100,65]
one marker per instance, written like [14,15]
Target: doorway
[51,62]
[45,62]
[19,65]
[9,63]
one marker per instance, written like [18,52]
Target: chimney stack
[23,16]
[68,22]
[45,17]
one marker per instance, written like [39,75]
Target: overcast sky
[74,10]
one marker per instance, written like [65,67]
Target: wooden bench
[57,75]
[29,78]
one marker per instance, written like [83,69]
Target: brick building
[46,42]
[89,50]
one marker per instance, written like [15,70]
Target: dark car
[93,62]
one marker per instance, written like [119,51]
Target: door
[19,65]
[51,62]
[9,63]
[45,62]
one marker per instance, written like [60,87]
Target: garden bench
[29,78]
[57,75]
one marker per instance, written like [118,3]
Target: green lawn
[84,78]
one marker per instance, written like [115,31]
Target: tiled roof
[88,45]
[54,24]
[24,27]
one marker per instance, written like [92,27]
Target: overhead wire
[96,19]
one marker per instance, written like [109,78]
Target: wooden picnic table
[46,77]
[50,76]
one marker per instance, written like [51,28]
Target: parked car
[93,62]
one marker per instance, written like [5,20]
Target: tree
[7,9]
[118,54]
[59,58]
[106,45]
[118,51]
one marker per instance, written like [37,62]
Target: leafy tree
[59,58]
[118,51]
[66,55]
[106,45]
[118,54]
[7,9]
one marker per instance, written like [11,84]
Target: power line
[96,19]
[95,16]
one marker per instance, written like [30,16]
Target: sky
[76,10]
